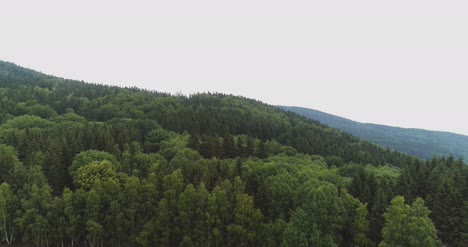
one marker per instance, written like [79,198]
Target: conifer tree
[463,229]
[447,206]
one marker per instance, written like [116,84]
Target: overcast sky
[400,63]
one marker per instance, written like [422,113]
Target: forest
[421,143]
[85,164]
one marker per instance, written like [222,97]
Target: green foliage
[407,225]
[463,225]
[8,202]
[361,227]
[35,218]
[85,158]
[25,122]
[8,160]
[424,144]
[93,173]
[94,165]
[154,139]
[448,203]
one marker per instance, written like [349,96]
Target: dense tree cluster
[92,165]
[112,109]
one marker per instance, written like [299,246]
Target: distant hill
[421,143]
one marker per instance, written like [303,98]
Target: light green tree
[84,158]
[361,226]
[96,171]
[7,201]
[8,159]
[94,228]
[407,225]
[34,220]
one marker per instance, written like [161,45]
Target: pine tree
[240,148]
[261,151]
[406,184]
[229,148]
[194,142]
[249,150]
[447,205]
[463,229]
[376,220]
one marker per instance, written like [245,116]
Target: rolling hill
[94,165]
[418,142]
[27,92]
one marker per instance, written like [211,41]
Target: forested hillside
[93,165]
[418,142]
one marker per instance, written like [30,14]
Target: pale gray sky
[400,62]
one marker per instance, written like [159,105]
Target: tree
[218,215]
[57,220]
[56,172]
[361,227]
[7,208]
[34,220]
[86,157]
[131,200]
[94,212]
[8,159]
[408,225]
[249,150]
[87,176]
[192,217]
[464,225]
[282,189]
[294,234]
[447,205]
[74,207]
[319,217]
[376,220]
[240,147]
[155,137]
[229,148]
[246,221]
[261,151]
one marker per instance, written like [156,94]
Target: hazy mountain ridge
[419,142]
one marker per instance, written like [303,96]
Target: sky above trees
[397,63]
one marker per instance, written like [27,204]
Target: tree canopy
[93,165]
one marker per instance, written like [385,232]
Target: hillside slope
[27,92]
[92,165]
[418,142]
